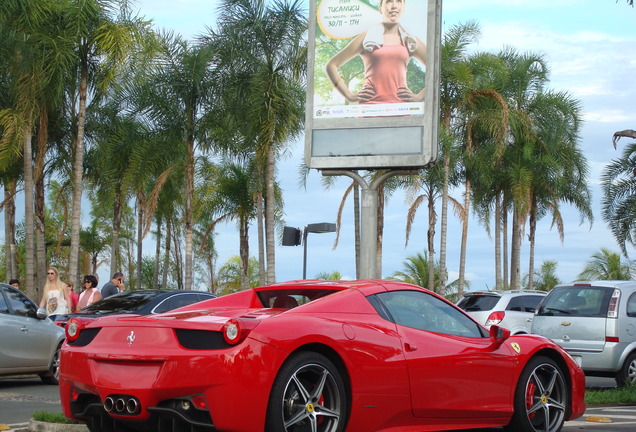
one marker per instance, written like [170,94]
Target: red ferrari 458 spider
[320,356]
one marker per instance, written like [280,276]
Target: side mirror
[42,313]
[498,334]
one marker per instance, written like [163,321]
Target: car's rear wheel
[541,398]
[308,395]
[627,374]
[53,375]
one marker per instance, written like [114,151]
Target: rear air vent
[201,339]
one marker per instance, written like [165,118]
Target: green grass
[45,416]
[623,395]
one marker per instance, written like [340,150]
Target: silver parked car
[512,309]
[29,341]
[596,323]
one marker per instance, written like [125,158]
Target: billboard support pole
[369,216]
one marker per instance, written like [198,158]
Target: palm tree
[619,197]
[545,278]
[230,275]
[105,35]
[262,51]
[607,265]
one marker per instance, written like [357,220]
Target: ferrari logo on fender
[131,338]
[515,346]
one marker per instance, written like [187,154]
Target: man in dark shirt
[114,286]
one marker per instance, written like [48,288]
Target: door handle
[24,329]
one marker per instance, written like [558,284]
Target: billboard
[373,84]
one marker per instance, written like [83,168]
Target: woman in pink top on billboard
[386,49]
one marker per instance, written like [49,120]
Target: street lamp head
[323,227]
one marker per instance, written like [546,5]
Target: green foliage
[50,417]
[229,275]
[334,275]
[620,395]
[608,265]
[545,278]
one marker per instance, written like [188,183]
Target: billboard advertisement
[373,83]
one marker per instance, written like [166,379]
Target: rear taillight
[73,329]
[235,330]
[611,339]
[495,318]
[612,310]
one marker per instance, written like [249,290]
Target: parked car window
[631,305]
[4,308]
[21,304]
[425,312]
[577,301]
[478,302]
[176,301]
[526,303]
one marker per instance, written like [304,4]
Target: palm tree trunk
[269,214]
[140,227]
[462,252]
[533,231]
[356,223]
[166,258]
[443,273]
[515,259]
[262,274]
[430,237]
[38,176]
[504,228]
[244,251]
[32,289]
[155,275]
[189,191]
[78,167]
[115,253]
[498,281]
[9,229]
[378,256]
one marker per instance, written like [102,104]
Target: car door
[35,339]
[454,369]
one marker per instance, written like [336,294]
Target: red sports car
[320,356]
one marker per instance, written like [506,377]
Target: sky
[589,46]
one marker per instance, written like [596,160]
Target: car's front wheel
[308,395]
[627,374]
[541,398]
[53,374]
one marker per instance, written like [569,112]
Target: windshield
[583,300]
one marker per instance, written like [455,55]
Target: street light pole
[318,228]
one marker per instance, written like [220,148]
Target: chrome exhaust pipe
[120,405]
[109,403]
[132,406]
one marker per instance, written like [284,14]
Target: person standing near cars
[114,286]
[90,294]
[55,294]
[72,297]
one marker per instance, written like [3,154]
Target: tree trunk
[115,252]
[443,273]
[9,230]
[515,259]
[140,227]
[380,234]
[356,224]
[462,251]
[189,191]
[78,167]
[244,251]
[504,228]
[262,274]
[32,289]
[166,259]
[498,281]
[38,177]
[155,275]
[430,238]
[533,232]
[270,200]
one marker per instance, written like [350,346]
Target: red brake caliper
[530,398]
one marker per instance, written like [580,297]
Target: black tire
[541,399]
[52,376]
[308,395]
[627,374]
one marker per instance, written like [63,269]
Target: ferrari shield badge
[131,338]
[515,346]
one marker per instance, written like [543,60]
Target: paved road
[20,397]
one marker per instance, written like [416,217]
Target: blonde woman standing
[55,296]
